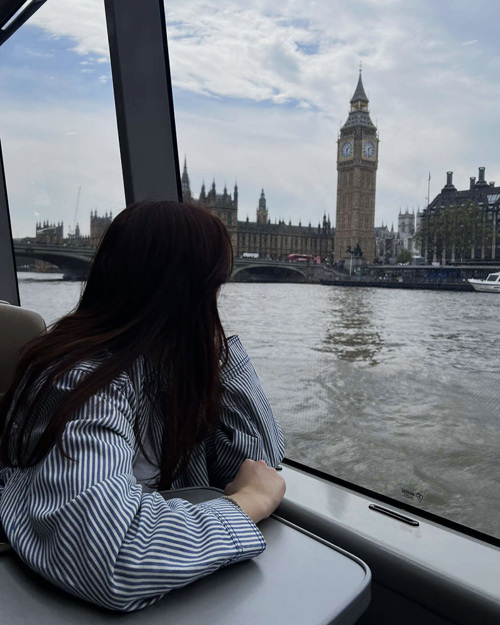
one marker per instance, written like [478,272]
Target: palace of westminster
[354,232]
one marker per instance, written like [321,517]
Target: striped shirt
[93,529]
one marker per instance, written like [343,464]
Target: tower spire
[262,212]
[185,185]
[359,94]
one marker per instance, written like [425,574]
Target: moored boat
[490,285]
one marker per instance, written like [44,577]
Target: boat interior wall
[388,607]
[17,327]
[146,128]
[427,570]
[8,279]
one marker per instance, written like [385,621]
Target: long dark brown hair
[151,291]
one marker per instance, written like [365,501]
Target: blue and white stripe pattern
[90,527]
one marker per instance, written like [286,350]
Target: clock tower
[357,161]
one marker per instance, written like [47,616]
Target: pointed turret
[359,114]
[359,95]
[186,187]
[262,212]
[212,194]
[203,194]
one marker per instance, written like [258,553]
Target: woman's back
[146,395]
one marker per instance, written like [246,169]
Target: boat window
[492,277]
[392,389]
[60,145]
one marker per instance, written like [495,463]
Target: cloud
[261,89]
[84,21]
[49,153]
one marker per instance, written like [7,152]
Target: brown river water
[394,390]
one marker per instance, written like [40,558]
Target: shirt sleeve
[247,427]
[85,525]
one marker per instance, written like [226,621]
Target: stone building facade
[276,241]
[49,233]
[273,241]
[357,161]
[406,228]
[53,233]
[479,239]
[389,242]
[98,227]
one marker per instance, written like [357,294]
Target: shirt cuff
[246,536]
[237,358]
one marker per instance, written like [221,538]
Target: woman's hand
[257,489]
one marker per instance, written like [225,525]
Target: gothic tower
[186,187]
[357,160]
[262,212]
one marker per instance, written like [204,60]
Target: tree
[454,231]
[404,256]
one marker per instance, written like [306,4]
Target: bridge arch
[73,261]
[269,272]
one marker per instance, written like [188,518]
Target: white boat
[490,285]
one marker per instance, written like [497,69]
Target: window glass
[393,389]
[60,145]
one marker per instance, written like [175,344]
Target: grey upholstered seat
[17,327]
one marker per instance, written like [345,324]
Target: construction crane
[72,231]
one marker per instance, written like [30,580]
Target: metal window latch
[394,515]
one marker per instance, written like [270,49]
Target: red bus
[304,258]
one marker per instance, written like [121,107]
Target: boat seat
[17,327]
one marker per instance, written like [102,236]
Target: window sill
[449,573]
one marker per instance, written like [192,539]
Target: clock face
[346,149]
[368,149]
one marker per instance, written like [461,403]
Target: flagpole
[429,190]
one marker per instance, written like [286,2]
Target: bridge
[263,270]
[71,259]
[74,260]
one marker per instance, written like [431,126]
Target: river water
[394,390]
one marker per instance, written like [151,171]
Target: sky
[261,90]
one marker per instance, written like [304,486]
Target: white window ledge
[444,570]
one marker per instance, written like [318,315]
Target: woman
[138,390]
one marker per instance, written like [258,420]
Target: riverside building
[462,226]
[273,241]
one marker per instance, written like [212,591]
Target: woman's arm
[248,427]
[84,523]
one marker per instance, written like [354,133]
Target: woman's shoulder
[129,378]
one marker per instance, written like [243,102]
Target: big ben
[357,161]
